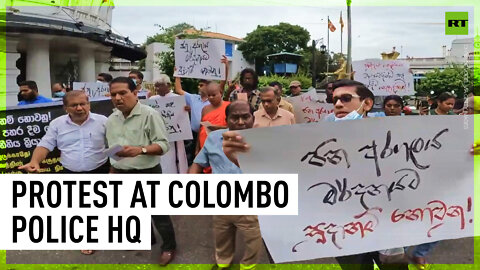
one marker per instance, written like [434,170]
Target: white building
[460,53]
[235,57]
[52,43]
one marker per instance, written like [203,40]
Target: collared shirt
[144,126]
[196,105]
[253,97]
[281,118]
[39,99]
[283,104]
[81,146]
[212,155]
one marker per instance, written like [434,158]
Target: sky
[414,31]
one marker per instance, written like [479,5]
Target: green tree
[266,40]
[455,78]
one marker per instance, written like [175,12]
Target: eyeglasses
[345,98]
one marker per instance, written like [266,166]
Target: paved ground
[195,245]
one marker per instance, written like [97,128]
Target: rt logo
[456,23]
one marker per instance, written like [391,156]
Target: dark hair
[31,84]
[126,80]
[227,109]
[251,71]
[444,96]
[136,72]
[459,104]
[107,77]
[74,93]
[396,98]
[360,88]
[276,83]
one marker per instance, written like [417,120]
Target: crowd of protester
[216,115]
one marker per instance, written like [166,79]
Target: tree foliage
[456,79]
[266,40]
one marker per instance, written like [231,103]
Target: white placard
[199,58]
[385,77]
[92,89]
[364,184]
[172,109]
[308,108]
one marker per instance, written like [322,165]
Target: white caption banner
[385,77]
[172,109]
[199,58]
[368,185]
[51,211]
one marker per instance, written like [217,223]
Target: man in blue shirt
[239,116]
[29,94]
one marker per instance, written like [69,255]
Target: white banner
[176,118]
[199,58]
[92,89]
[112,211]
[308,108]
[367,185]
[385,77]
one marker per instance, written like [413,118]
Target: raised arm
[178,86]
[222,83]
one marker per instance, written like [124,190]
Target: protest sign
[176,118]
[23,128]
[199,58]
[368,184]
[385,77]
[308,108]
[92,89]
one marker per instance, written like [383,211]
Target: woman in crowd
[445,102]
[392,105]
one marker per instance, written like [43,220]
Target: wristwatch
[144,150]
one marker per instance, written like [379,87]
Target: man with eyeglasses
[79,135]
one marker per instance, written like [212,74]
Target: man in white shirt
[175,160]
[79,135]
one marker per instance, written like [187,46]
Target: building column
[11,72]
[86,64]
[38,64]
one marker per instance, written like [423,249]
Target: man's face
[269,102]
[123,99]
[239,117]
[78,108]
[162,88]
[329,92]
[248,82]
[295,90]
[27,93]
[202,88]
[57,88]
[134,77]
[346,100]
[214,94]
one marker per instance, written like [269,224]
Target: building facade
[60,41]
